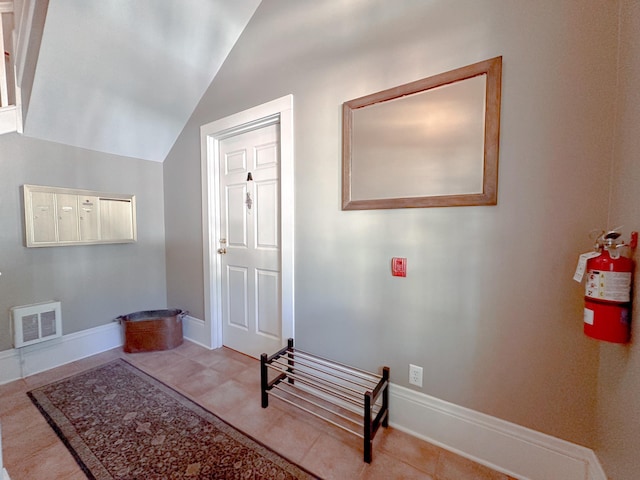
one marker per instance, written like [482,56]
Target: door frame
[276,111]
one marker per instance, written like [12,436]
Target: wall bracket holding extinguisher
[609,277]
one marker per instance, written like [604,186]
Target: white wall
[95,283]
[488,306]
[619,375]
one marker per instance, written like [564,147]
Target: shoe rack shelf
[351,399]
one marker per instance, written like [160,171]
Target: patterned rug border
[58,431]
[58,422]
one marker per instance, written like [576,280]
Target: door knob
[222,251]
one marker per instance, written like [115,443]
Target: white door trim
[280,110]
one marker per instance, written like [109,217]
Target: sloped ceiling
[123,76]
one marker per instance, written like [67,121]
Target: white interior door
[249,241]
[208,331]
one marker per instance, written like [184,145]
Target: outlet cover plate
[415,375]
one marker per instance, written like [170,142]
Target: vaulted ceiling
[123,76]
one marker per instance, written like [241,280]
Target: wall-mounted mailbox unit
[64,216]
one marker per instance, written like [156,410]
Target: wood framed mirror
[429,143]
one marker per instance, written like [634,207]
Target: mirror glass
[429,143]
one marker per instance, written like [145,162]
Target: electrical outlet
[415,375]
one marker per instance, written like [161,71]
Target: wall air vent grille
[36,323]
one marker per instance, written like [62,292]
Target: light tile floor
[228,384]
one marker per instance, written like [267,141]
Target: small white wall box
[36,323]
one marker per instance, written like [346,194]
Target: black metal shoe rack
[351,399]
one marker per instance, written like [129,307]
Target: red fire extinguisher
[607,300]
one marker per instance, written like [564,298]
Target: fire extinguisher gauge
[609,240]
[613,235]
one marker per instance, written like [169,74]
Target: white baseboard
[509,448]
[9,366]
[194,330]
[20,363]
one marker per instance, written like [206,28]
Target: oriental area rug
[121,423]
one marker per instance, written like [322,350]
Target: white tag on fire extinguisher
[582,265]
[588,316]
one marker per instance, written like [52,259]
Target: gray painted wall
[94,283]
[488,307]
[619,376]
